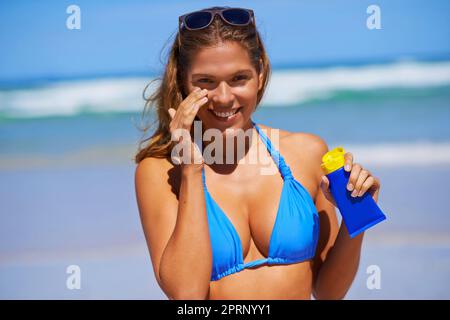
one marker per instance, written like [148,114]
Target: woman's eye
[241,77]
[236,78]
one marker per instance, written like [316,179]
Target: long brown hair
[171,92]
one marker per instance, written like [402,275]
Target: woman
[225,230]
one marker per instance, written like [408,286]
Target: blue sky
[128,36]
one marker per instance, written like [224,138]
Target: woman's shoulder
[303,142]
[154,164]
[303,151]
[153,170]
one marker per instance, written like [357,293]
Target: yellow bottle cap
[333,160]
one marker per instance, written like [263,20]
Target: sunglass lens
[236,16]
[198,20]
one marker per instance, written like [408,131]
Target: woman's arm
[177,232]
[337,257]
[337,263]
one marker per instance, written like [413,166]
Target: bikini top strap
[203,177]
[275,154]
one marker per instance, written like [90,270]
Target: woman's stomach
[288,281]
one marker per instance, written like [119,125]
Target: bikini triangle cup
[294,234]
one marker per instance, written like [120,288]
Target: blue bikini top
[294,234]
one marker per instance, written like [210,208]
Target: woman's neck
[225,155]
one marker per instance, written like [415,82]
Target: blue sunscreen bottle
[358,213]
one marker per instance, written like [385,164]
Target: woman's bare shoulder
[154,164]
[158,171]
[309,142]
[301,149]
[299,142]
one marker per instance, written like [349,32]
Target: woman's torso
[250,200]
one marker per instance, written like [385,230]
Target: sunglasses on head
[201,19]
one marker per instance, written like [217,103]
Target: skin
[176,230]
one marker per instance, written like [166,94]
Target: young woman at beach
[224,230]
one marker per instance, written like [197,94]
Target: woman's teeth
[225,114]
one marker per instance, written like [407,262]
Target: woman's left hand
[360,181]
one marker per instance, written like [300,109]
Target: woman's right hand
[181,124]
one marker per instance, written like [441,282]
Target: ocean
[67,175]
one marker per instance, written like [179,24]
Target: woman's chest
[253,205]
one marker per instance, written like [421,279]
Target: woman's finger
[348,158]
[198,104]
[189,107]
[324,183]
[190,114]
[193,97]
[370,181]
[190,97]
[325,186]
[356,168]
[363,174]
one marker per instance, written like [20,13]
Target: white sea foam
[422,153]
[287,87]
[71,97]
[291,87]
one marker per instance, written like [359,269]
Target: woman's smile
[226,116]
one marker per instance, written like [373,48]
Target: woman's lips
[226,119]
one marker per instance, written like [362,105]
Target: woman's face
[229,76]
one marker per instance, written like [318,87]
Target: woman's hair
[171,90]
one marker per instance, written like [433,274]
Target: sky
[129,36]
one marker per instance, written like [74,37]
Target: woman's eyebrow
[210,75]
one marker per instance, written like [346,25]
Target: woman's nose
[222,95]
